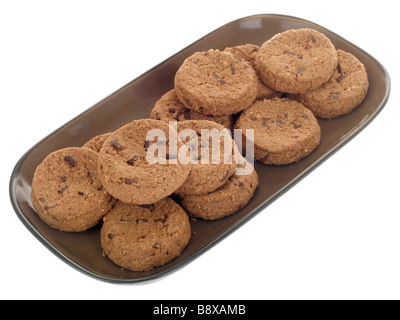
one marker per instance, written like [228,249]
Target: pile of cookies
[277,90]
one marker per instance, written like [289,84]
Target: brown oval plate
[136,99]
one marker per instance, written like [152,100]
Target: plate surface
[136,99]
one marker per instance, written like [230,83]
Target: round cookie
[127,169]
[169,108]
[296,61]
[216,83]
[96,143]
[248,53]
[225,201]
[209,168]
[284,130]
[344,91]
[66,191]
[140,238]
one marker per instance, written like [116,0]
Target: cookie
[345,90]
[169,108]
[248,53]
[212,167]
[234,195]
[97,142]
[284,130]
[140,238]
[296,61]
[66,191]
[126,166]
[216,83]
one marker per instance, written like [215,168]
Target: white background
[335,235]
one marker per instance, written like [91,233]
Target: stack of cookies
[277,91]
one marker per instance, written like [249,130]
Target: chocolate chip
[116,145]
[71,161]
[201,110]
[188,114]
[91,175]
[61,191]
[132,160]
[158,116]
[143,220]
[286,116]
[253,118]
[295,125]
[281,122]
[222,81]
[128,181]
[171,110]
[178,114]
[264,122]
[42,199]
[335,95]
[246,65]
[299,72]
[146,145]
[233,70]
[339,69]
[81,193]
[299,56]
[64,179]
[313,39]
[100,188]
[150,207]
[341,78]
[110,236]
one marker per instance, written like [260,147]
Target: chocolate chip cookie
[140,238]
[248,53]
[138,169]
[296,61]
[212,148]
[66,191]
[284,130]
[169,108]
[345,90]
[216,83]
[234,195]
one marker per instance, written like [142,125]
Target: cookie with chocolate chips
[136,166]
[284,130]
[169,108]
[67,193]
[296,61]
[216,83]
[140,238]
[234,195]
[248,53]
[345,90]
[96,143]
[211,149]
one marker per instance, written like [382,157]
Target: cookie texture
[296,61]
[126,166]
[234,195]
[67,193]
[248,53]
[345,90]
[169,108]
[140,238]
[216,83]
[212,150]
[284,130]
[96,143]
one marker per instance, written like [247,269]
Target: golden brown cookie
[169,108]
[213,155]
[234,195]
[140,238]
[284,130]
[296,61]
[126,166]
[216,83]
[248,53]
[344,91]
[66,191]
[96,143]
